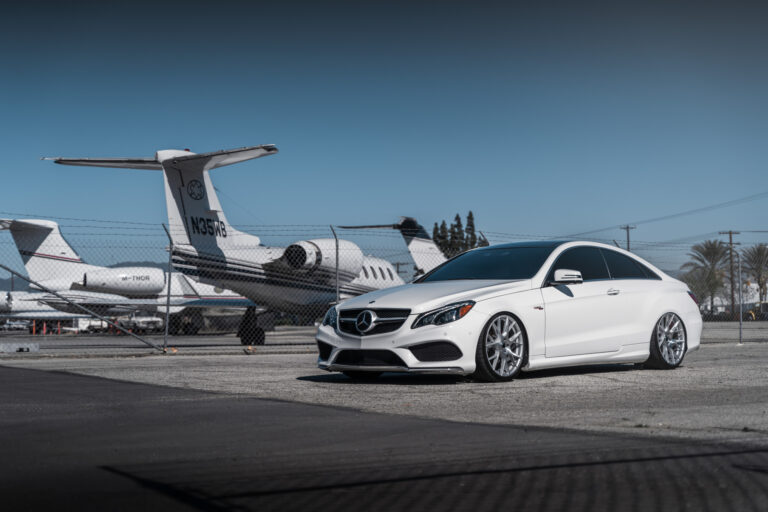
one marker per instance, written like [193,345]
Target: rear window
[624,267]
[506,263]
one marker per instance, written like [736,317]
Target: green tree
[470,237]
[456,241]
[755,262]
[442,238]
[708,263]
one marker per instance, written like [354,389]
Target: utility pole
[730,254]
[626,228]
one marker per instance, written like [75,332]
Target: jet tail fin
[425,253]
[195,216]
[45,253]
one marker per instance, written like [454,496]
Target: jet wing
[183,161]
[124,163]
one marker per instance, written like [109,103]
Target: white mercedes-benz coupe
[496,311]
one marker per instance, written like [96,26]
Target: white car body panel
[564,325]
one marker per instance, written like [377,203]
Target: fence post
[741,313]
[336,238]
[170,284]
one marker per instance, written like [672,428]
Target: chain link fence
[130,274]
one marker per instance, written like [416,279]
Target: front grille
[436,351]
[389,320]
[368,358]
[324,349]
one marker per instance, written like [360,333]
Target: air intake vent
[436,351]
[324,349]
[368,358]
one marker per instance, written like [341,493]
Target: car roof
[536,243]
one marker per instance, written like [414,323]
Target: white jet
[17,305]
[303,278]
[52,264]
[424,251]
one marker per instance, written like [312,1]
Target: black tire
[174,324]
[364,376]
[484,368]
[657,360]
[253,336]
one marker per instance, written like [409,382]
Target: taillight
[693,297]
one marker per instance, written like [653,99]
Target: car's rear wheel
[501,349]
[668,343]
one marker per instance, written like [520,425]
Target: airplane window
[390,274]
[373,271]
[383,275]
[365,271]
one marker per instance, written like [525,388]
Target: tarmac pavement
[270,431]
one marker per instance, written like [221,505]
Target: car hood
[421,297]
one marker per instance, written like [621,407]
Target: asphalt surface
[269,431]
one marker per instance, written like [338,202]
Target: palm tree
[708,262]
[756,265]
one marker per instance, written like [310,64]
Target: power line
[716,206]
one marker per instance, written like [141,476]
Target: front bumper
[462,335]
[450,370]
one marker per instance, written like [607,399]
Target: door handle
[613,291]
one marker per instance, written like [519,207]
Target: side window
[392,277]
[373,271]
[365,272]
[383,275]
[624,267]
[586,260]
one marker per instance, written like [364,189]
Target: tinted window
[494,263]
[383,275]
[365,271]
[390,274]
[586,260]
[373,271]
[624,267]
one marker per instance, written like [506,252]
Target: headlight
[331,317]
[444,315]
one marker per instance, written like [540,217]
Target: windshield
[506,263]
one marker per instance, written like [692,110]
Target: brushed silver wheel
[668,343]
[504,346]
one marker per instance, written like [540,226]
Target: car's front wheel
[668,343]
[501,349]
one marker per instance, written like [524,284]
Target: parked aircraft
[302,278]
[424,251]
[28,306]
[52,264]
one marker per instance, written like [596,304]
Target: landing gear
[194,324]
[185,323]
[249,332]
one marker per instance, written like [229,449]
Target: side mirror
[566,276]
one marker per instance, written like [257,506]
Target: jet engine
[313,255]
[127,281]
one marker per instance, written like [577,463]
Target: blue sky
[543,121]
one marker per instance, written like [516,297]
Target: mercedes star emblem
[365,321]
